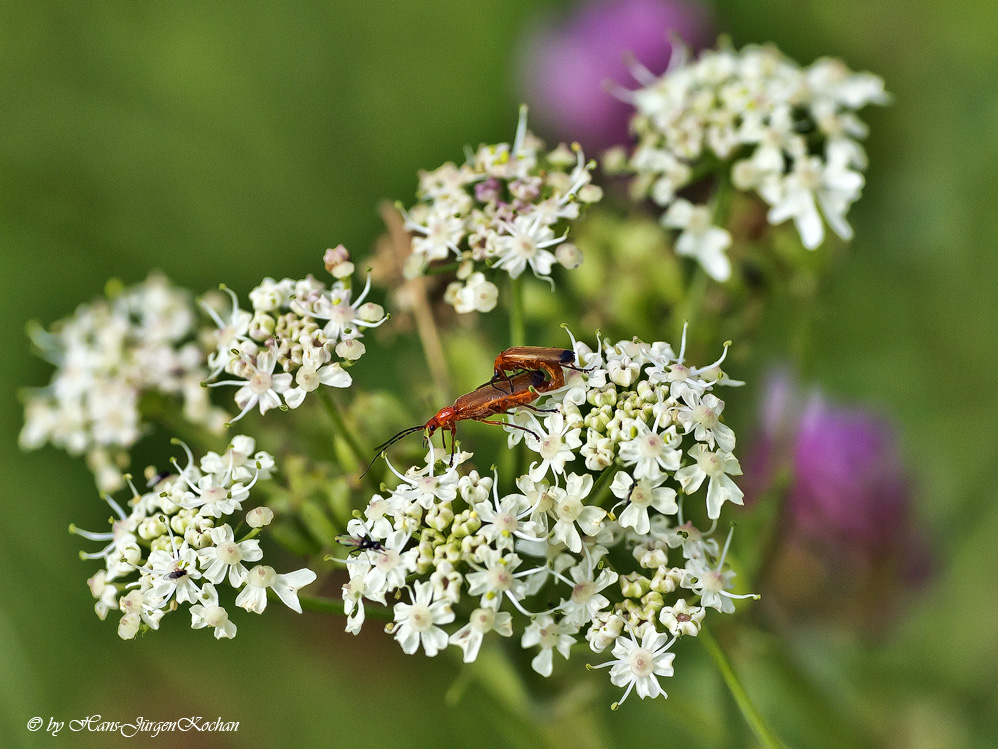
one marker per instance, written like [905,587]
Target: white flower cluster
[305,331]
[176,537]
[788,133]
[108,355]
[591,542]
[505,208]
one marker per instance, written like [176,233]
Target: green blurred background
[227,142]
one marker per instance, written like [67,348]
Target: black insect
[360,543]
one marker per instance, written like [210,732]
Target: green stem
[803,340]
[335,606]
[517,326]
[517,337]
[720,203]
[596,496]
[752,716]
[696,290]
[692,300]
[776,530]
[422,312]
[348,434]
[252,534]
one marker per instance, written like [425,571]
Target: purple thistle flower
[849,494]
[565,64]
[850,487]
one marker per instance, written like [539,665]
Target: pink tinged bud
[215,616]
[307,379]
[128,627]
[350,349]
[261,576]
[487,190]
[334,256]
[568,255]
[259,517]
[229,553]
[371,312]
[565,63]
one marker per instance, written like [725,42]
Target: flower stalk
[748,710]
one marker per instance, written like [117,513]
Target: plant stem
[602,482]
[777,528]
[752,716]
[696,290]
[517,328]
[692,301]
[426,327]
[348,434]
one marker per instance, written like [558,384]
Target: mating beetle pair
[522,374]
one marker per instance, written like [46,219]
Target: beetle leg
[501,377]
[515,426]
[453,444]
[539,410]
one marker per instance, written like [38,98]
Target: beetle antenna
[392,440]
[383,447]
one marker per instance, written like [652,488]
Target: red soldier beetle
[551,361]
[491,399]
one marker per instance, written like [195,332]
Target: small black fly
[360,543]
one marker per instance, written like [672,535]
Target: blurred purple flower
[849,485]
[564,63]
[849,494]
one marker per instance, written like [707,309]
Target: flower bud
[261,326]
[567,254]
[370,312]
[259,517]
[128,627]
[342,270]
[335,256]
[634,585]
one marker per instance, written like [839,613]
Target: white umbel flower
[641,496]
[417,623]
[651,453]
[812,183]
[550,635]
[718,467]
[253,597]
[482,621]
[637,665]
[699,238]
[504,211]
[553,548]
[261,387]
[207,613]
[226,556]
[758,121]
[555,444]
